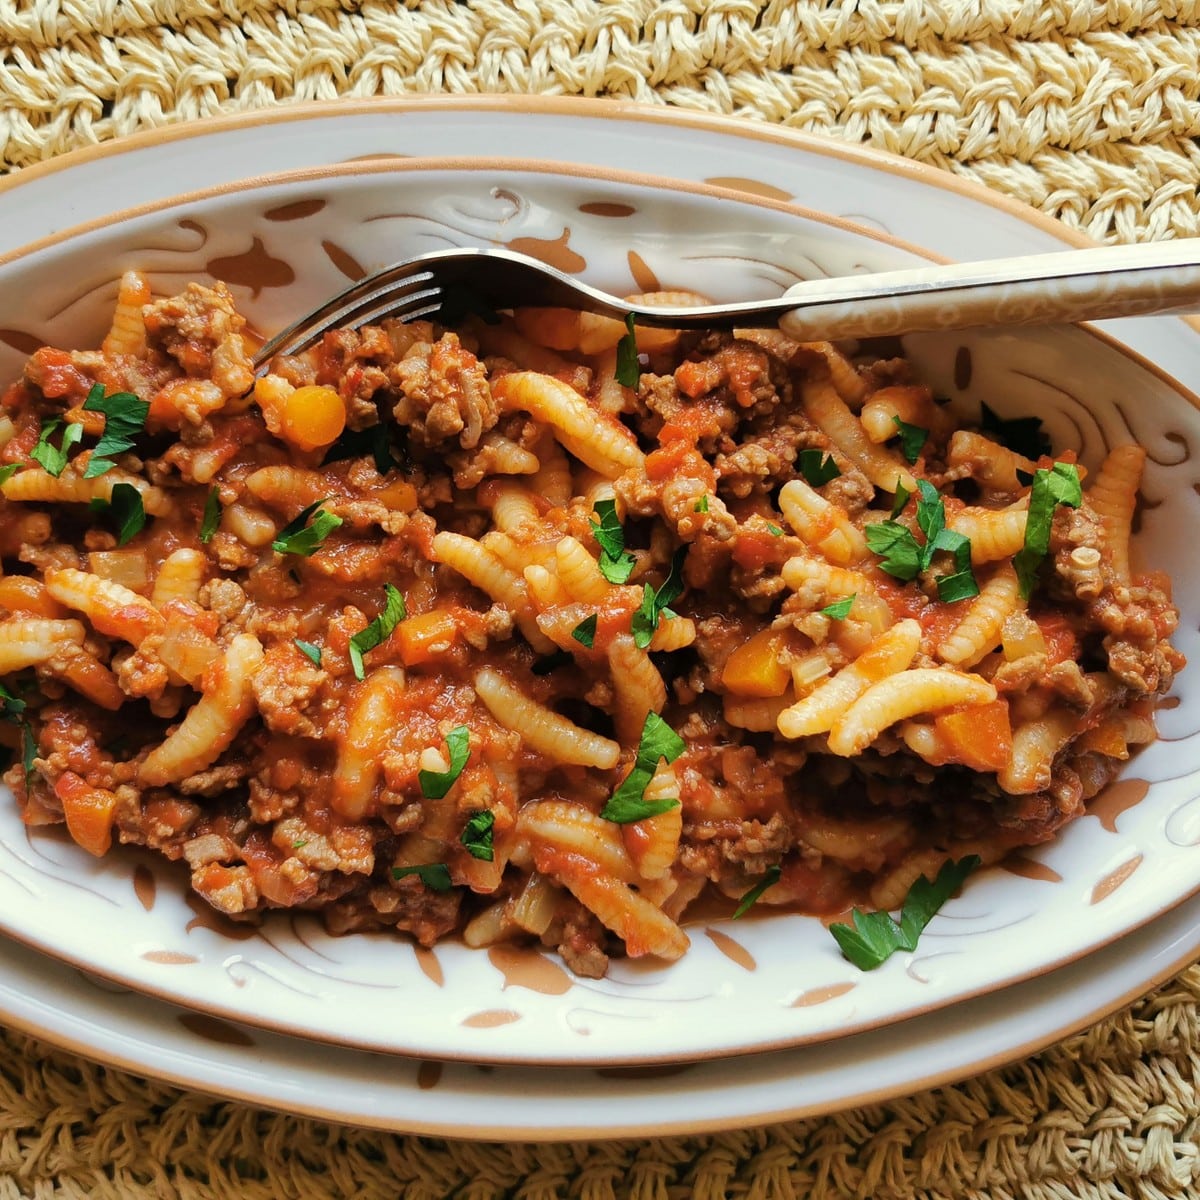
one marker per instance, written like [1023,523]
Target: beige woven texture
[1087,111]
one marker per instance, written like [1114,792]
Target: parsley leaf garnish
[1059,485]
[616,563]
[435,876]
[900,500]
[12,708]
[477,836]
[658,741]
[28,750]
[299,537]
[1022,434]
[904,557]
[212,516]
[817,467]
[962,583]
[375,440]
[585,632]
[839,610]
[769,879]
[931,517]
[897,548]
[311,652]
[629,370]
[394,611]
[657,603]
[700,507]
[54,458]
[912,439]
[124,419]
[435,784]
[875,937]
[774,530]
[125,505]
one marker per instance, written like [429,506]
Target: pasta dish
[541,627]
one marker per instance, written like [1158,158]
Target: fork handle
[1071,285]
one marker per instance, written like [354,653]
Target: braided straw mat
[1087,111]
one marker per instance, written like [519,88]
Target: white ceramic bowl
[284,243]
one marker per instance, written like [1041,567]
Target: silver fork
[1071,285]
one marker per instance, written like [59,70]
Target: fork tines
[398,291]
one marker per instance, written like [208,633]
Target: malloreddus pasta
[500,631]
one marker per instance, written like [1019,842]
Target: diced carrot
[979,737]
[400,496]
[694,379]
[756,668]
[312,416]
[425,636]
[89,812]
[24,594]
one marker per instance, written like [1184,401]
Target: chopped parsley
[912,439]
[961,584]
[375,440]
[124,419]
[700,507]
[477,836]
[28,750]
[905,558]
[1022,434]
[658,741]
[839,610]
[378,630]
[212,516]
[628,370]
[54,458]
[299,537]
[585,632]
[6,473]
[817,467]
[435,876]
[435,784]
[898,550]
[900,500]
[1059,485]
[12,708]
[656,604]
[875,937]
[774,530]
[300,844]
[311,652]
[769,879]
[125,505]
[616,563]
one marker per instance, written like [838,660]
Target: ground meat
[444,394]
[406,904]
[764,460]
[580,939]
[214,780]
[201,330]
[285,688]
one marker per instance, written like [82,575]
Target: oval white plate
[636,1014]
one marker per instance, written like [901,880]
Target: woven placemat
[1087,111]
